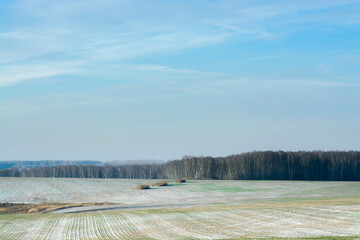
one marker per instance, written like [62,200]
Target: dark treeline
[315,165]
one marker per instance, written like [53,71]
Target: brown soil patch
[23,208]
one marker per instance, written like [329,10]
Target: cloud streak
[45,44]
[14,74]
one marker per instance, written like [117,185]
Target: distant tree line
[44,163]
[268,165]
[52,163]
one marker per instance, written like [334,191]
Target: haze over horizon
[118,80]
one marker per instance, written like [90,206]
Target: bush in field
[141,187]
[180,180]
[160,184]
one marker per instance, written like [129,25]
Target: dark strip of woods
[315,165]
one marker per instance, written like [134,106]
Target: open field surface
[194,210]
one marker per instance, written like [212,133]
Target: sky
[130,80]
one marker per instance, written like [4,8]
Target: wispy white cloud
[310,83]
[45,35]
[160,68]
[229,86]
[111,48]
[275,19]
[30,56]
[13,74]
[25,44]
[47,104]
[241,31]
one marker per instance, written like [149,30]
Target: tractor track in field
[117,208]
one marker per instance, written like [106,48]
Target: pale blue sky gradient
[124,80]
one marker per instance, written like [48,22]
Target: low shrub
[180,180]
[141,187]
[159,184]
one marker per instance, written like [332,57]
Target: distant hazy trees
[315,165]
[43,163]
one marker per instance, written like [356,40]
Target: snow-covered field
[197,210]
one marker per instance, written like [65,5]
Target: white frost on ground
[197,209]
[198,224]
[122,191]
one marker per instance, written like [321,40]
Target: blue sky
[122,80]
